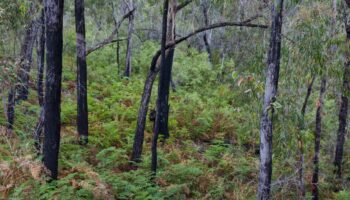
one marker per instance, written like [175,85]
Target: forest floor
[212,152]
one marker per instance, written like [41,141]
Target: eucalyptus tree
[271,85]
[52,107]
[343,112]
[154,69]
[128,67]
[82,117]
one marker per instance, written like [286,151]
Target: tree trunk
[206,35]
[52,108]
[165,75]
[118,53]
[318,130]
[128,66]
[141,120]
[300,164]
[41,59]
[26,61]
[161,89]
[20,90]
[82,117]
[11,109]
[271,86]
[343,112]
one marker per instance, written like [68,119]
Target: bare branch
[200,30]
[184,4]
[109,39]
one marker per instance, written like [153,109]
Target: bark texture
[82,116]
[317,135]
[52,108]
[128,66]
[163,71]
[343,112]
[271,86]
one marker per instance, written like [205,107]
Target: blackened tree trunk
[11,109]
[271,86]
[205,10]
[118,53]
[141,120]
[318,130]
[82,117]
[161,89]
[52,108]
[300,164]
[165,78]
[343,112]
[41,58]
[128,66]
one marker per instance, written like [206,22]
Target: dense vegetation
[216,100]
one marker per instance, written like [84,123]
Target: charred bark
[271,86]
[317,135]
[52,108]
[343,112]
[206,35]
[11,109]
[41,59]
[161,90]
[128,66]
[82,116]
[300,164]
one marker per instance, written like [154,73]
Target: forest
[174,99]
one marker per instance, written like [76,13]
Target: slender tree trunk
[118,53]
[26,61]
[343,112]
[21,87]
[82,117]
[11,109]
[41,59]
[300,164]
[320,103]
[161,91]
[52,108]
[206,35]
[141,120]
[165,78]
[318,130]
[271,86]
[128,66]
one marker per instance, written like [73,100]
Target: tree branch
[184,4]
[100,45]
[200,30]
[109,39]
